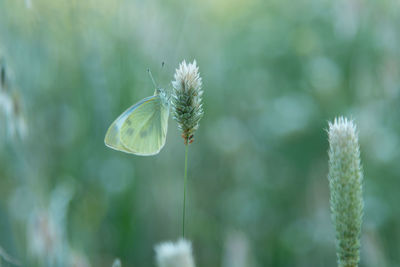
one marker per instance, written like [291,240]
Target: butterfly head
[163,95]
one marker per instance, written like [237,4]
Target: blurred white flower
[177,254]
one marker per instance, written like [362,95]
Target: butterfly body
[142,128]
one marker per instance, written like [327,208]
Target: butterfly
[142,128]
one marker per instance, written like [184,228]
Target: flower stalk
[184,191]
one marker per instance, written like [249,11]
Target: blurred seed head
[43,236]
[186,99]
[5,99]
[177,254]
[6,104]
[47,229]
[236,250]
[345,182]
[16,123]
[116,263]
[11,105]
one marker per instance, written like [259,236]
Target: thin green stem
[184,191]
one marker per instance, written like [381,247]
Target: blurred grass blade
[4,255]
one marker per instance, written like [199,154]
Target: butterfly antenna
[152,79]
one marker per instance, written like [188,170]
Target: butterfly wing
[141,129]
[144,131]
[112,138]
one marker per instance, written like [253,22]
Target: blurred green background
[274,73]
